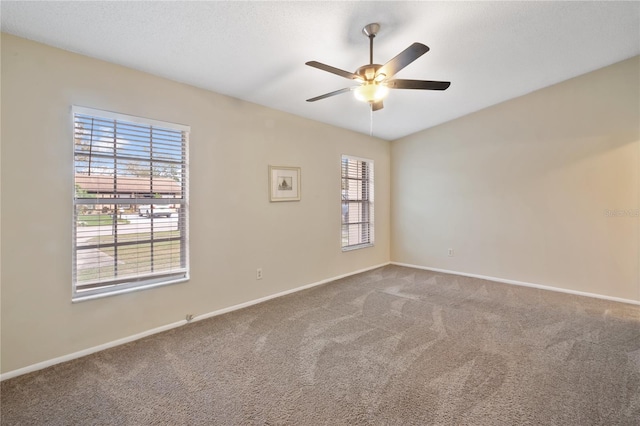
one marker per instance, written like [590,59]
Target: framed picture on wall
[284,183]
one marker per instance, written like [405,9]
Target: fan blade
[328,95]
[418,84]
[403,59]
[375,106]
[333,70]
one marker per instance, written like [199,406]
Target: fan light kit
[374,79]
[370,92]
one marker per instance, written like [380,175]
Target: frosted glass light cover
[370,92]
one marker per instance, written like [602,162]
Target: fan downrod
[370,31]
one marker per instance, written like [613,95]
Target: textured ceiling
[490,51]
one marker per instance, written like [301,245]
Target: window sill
[99,294]
[357,247]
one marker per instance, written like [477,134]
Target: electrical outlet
[450,252]
[259,274]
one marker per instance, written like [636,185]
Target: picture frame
[284,183]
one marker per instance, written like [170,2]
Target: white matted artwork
[284,183]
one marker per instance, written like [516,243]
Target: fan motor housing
[368,72]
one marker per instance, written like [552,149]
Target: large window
[357,202]
[130,203]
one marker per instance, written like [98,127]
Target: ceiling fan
[375,79]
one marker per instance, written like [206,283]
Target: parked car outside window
[155,210]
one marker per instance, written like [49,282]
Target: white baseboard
[522,283]
[94,349]
[88,351]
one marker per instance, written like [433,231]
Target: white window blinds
[357,202]
[130,203]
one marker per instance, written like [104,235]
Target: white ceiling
[255,51]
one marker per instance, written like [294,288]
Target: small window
[130,203]
[357,203]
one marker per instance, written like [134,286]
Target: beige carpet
[393,346]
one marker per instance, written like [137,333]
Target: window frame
[136,283]
[370,200]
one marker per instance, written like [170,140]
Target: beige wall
[234,228]
[519,190]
